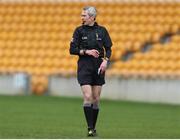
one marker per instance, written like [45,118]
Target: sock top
[87,105]
[95,106]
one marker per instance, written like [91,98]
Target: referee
[92,43]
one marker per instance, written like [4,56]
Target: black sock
[95,115]
[88,112]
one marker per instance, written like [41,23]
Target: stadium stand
[34,38]
[162,61]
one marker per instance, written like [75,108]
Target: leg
[87,94]
[87,105]
[96,91]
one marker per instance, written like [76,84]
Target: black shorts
[87,73]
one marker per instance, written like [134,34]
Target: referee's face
[86,19]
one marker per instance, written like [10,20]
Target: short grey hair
[91,10]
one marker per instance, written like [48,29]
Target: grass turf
[59,117]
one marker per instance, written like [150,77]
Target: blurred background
[145,63]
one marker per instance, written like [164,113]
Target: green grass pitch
[59,117]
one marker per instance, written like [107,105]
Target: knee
[87,97]
[96,99]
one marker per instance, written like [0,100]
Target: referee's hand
[92,52]
[103,66]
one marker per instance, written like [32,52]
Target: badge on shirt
[97,37]
[84,37]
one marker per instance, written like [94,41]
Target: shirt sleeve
[74,44]
[107,43]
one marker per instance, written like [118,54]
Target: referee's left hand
[103,66]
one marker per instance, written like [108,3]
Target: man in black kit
[92,43]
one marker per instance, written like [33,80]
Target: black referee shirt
[91,37]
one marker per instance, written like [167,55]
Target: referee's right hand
[92,52]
